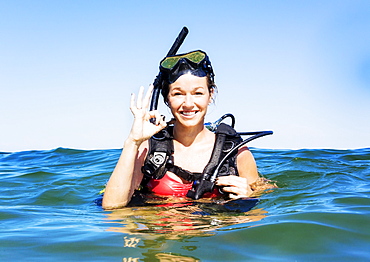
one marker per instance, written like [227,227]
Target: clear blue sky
[299,68]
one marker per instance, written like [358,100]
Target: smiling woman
[187,85]
[189,98]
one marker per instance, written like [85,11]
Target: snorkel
[158,80]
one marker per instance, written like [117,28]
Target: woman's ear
[166,102]
[211,96]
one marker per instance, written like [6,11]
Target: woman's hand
[142,129]
[237,186]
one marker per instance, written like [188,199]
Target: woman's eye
[199,93]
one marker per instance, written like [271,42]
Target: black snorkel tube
[157,82]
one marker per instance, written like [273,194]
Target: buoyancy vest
[159,160]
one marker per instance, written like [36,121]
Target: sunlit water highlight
[320,212]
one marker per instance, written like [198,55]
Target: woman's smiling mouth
[188,113]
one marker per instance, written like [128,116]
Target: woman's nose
[188,101]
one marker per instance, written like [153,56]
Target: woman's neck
[187,135]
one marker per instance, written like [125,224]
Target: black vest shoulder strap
[226,139]
[159,159]
[159,154]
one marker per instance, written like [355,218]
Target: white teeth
[188,113]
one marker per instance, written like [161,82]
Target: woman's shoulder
[246,164]
[244,154]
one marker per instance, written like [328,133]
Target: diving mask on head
[196,62]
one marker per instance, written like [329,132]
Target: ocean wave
[320,210]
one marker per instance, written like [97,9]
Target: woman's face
[188,99]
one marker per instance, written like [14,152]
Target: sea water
[319,212]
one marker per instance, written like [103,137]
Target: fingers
[140,98]
[142,102]
[159,119]
[231,181]
[148,95]
[154,114]
[236,186]
[132,102]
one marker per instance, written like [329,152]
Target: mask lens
[170,62]
[195,57]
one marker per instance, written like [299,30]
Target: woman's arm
[127,175]
[247,165]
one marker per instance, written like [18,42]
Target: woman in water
[187,88]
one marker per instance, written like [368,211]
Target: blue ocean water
[320,212]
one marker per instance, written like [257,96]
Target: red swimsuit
[169,186]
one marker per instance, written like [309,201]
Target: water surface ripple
[320,212]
